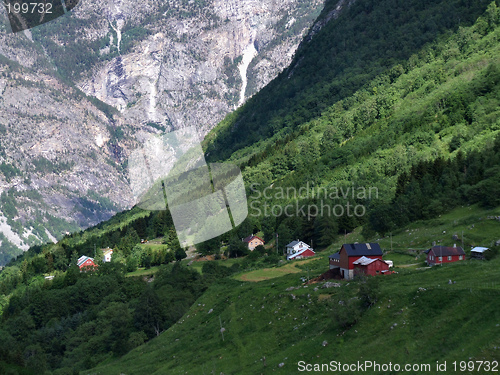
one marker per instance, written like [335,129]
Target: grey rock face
[194,69]
[159,66]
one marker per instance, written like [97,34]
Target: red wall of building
[372,268]
[377,266]
[454,258]
[353,259]
[344,259]
[88,263]
[307,253]
[347,262]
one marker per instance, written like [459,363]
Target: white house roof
[83,259]
[479,249]
[364,261]
[295,243]
[299,253]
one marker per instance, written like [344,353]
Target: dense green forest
[371,37]
[80,319]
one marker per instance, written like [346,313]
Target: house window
[460,257]
[440,259]
[449,257]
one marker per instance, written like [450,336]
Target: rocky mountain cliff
[78,93]
[181,63]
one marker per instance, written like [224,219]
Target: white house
[296,246]
[107,253]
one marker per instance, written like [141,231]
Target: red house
[443,254]
[370,266]
[349,253]
[86,263]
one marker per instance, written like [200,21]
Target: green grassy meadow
[271,273]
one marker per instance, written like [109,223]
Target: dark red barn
[444,254]
[349,253]
[369,266]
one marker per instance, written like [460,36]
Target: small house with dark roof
[349,253]
[444,254]
[253,241]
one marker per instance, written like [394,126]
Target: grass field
[268,273]
[199,264]
[316,263]
[153,245]
[143,272]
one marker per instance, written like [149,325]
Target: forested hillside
[75,320]
[423,136]
[368,38]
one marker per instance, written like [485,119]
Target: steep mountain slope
[413,136]
[152,68]
[338,57]
[60,158]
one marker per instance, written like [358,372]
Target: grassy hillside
[416,316]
